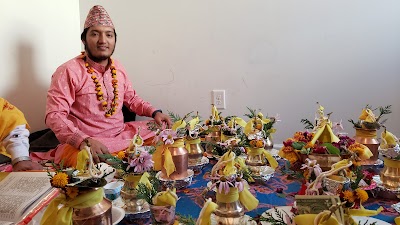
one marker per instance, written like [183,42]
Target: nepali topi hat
[98,16]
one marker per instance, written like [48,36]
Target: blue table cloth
[191,199]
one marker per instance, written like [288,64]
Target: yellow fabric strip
[391,163]
[366,133]
[260,151]
[225,137]
[63,216]
[397,220]
[247,199]
[232,196]
[365,212]
[205,213]
[82,159]
[163,151]
[189,142]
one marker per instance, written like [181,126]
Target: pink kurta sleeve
[60,98]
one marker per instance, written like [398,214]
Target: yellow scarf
[63,216]
[163,150]
[10,117]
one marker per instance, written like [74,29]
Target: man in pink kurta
[86,95]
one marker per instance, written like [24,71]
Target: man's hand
[26,165]
[161,118]
[97,148]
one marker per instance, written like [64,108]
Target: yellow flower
[59,180]
[349,196]
[121,155]
[361,150]
[72,192]
[362,195]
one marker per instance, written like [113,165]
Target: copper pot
[212,137]
[180,158]
[390,175]
[369,139]
[97,214]
[195,154]
[163,215]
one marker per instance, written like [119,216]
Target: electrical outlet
[218,99]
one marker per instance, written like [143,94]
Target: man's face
[100,43]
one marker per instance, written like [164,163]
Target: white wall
[278,56]
[36,37]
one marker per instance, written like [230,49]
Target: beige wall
[278,56]
[36,37]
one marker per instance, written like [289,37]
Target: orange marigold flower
[260,144]
[287,149]
[309,145]
[121,155]
[298,135]
[59,180]
[259,126]
[72,192]
[349,196]
[253,143]
[362,195]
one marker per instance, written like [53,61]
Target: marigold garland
[109,111]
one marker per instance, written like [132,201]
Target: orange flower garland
[111,111]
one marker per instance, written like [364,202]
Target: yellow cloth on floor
[63,216]
[10,117]
[163,150]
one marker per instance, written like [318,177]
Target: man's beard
[97,59]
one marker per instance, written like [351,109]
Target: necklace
[109,111]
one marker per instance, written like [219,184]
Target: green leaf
[331,149]
[298,145]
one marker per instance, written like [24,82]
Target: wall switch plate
[218,99]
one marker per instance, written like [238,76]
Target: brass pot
[255,159]
[213,137]
[133,204]
[335,184]
[229,211]
[162,215]
[369,139]
[180,158]
[195,151]
[97,214]
[390,174]
[269,144]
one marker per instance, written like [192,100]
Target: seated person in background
[86,95]
[14,137]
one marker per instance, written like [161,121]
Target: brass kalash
[230,204]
